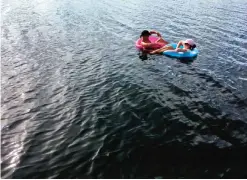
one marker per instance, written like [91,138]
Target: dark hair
[192,47]
[145,33]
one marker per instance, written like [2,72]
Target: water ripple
[77,102]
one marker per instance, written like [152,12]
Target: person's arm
[147,44]
[180,43]
[155,32]
[177,50]
[180,50]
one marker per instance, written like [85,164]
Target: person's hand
[155,32]
[158,34]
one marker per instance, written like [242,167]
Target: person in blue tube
[188,45]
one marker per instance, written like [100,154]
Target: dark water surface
[78,102]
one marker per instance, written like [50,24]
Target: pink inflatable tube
[153,39]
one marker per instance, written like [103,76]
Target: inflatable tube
[153,39]
[188,54]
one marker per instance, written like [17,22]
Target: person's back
[146,43]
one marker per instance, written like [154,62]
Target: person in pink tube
[188,45]
[147,44]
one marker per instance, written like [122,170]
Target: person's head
[145,33]
[190,44]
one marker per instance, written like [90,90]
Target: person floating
[187,45]
[147,42]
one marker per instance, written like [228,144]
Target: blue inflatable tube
[188,54]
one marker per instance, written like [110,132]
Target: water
[79,102]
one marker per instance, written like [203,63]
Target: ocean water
[79,101]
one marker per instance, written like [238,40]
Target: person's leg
[158,51]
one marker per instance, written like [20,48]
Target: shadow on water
[144,56]
[186,60]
